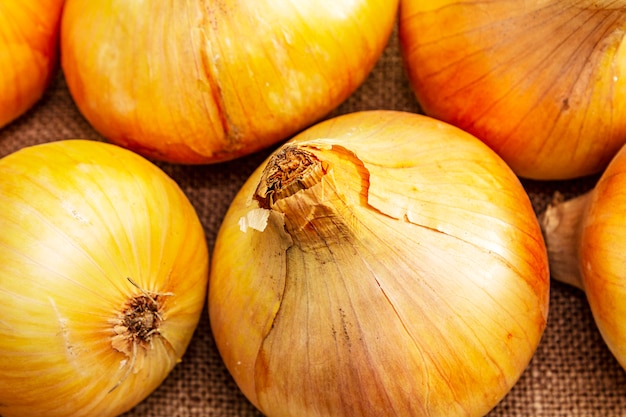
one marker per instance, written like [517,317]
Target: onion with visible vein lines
[584,239]
[379,264]
[202,81]
[103,273]
[541,82]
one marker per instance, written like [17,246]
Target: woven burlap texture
[572,373]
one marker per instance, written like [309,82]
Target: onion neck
[135,326]
[290,170]
[561,225]
[300,185]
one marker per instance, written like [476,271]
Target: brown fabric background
[572,374]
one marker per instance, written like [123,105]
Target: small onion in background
[379,262]
[103,276]
[29,34]
[541,82]
[586,241]
[209,81]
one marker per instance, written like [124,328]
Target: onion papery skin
[86,227]
[602,255]
[410,279]
[29,35]
[541,82]
[208,81]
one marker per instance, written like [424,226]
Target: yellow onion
[540,81]
[29,33]
[586,241]
[380,263]
[207,81]
[103,273]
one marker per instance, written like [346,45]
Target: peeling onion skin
[402,271]
[208,81]
[540,81]
[95,240]
[29,34]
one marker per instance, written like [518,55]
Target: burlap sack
[572,374]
